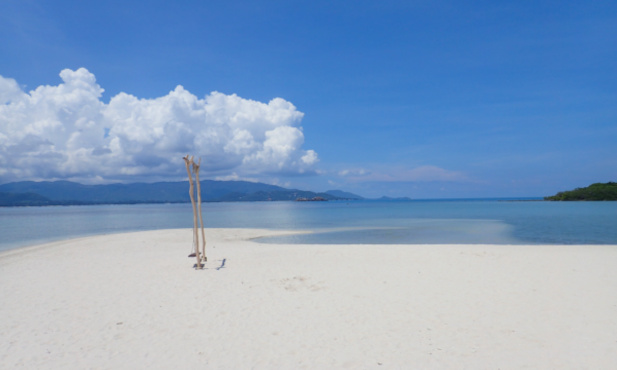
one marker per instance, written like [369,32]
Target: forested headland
[597,191]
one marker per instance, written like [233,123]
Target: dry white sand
[133,300]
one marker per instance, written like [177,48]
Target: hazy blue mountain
[344,194]
[63,191]
[66,192]
[22,199]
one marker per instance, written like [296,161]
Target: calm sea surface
[365,222]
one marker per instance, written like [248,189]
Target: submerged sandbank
[134,301]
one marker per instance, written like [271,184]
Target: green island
[597,191]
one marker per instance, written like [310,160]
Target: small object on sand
[191,255]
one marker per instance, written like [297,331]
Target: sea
[469,221]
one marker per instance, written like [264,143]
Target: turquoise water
[496,222]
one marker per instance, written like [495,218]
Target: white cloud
[234,177]
[9,90]
[353,172]
[418,174]
[429,173]
[66,131]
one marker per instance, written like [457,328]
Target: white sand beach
[133,301]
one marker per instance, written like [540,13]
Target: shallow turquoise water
[497,222]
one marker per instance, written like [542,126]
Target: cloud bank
[68,132]
[425,173]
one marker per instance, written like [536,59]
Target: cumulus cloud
[67,131]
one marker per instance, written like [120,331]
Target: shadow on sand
[222,266]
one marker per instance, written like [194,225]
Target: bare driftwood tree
[189,161]
[201,221]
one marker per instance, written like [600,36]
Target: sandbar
[134,300]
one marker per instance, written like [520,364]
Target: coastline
[133,300]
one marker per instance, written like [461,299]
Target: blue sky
[426,99]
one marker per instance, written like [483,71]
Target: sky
[424,99]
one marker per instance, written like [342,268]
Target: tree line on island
[597,191]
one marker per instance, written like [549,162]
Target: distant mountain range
[30,193]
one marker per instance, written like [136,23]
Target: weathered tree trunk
[201,221]
[189,162]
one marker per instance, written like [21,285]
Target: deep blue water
[498,222]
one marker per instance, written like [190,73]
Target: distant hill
[597,191]
[66,192]
[344,194]
[22,199]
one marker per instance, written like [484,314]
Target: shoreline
[133,300]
